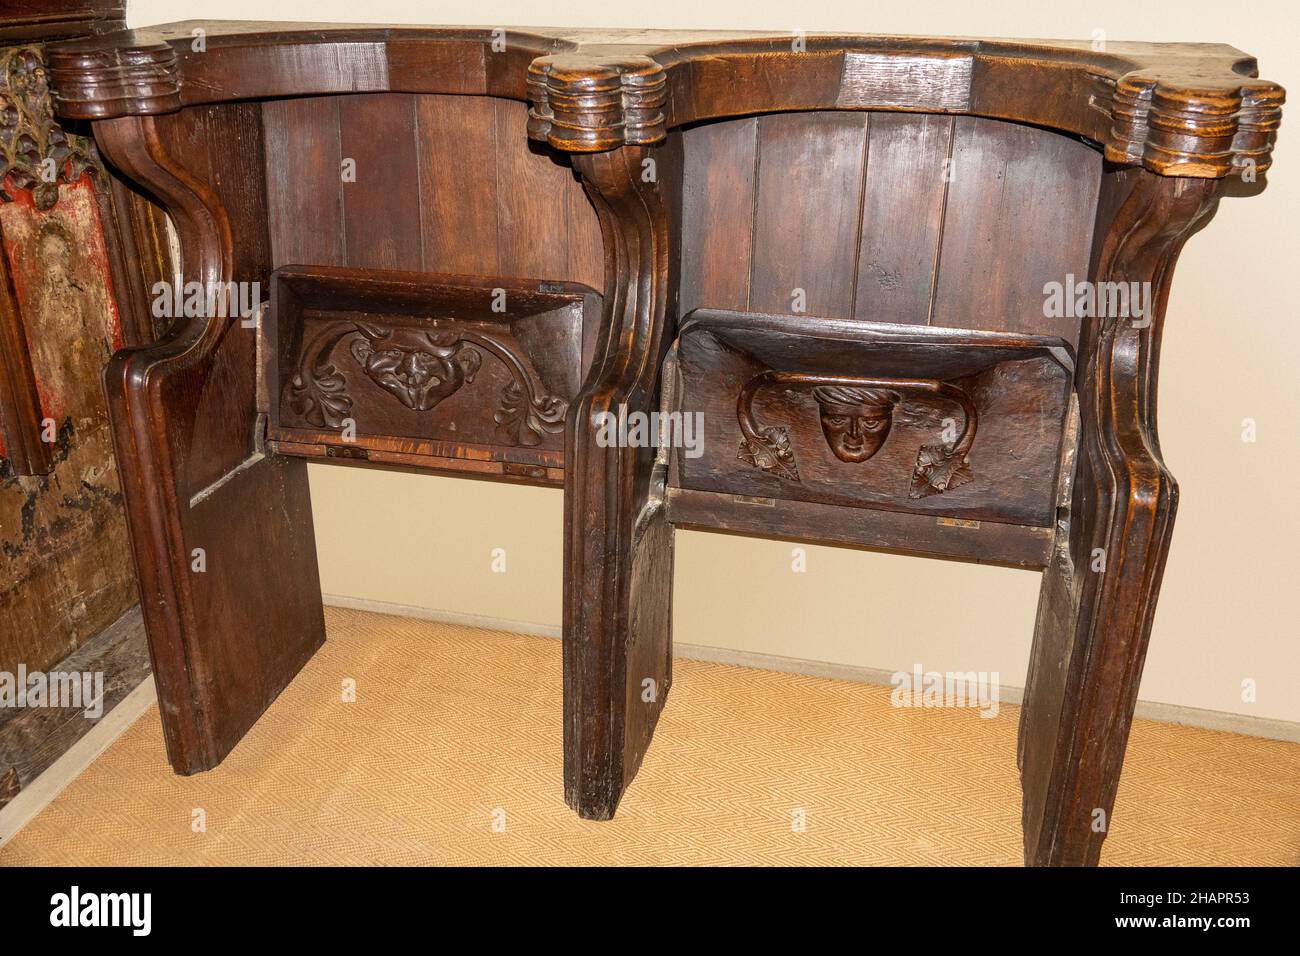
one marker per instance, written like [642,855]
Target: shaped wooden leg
[1099,595]
[617,542]
[222,534]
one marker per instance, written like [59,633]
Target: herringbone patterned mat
[455,730]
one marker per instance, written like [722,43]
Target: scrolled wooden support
[1098,596]
[225,633]
[617,541]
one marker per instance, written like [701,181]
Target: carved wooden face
[410,365]
[855,421]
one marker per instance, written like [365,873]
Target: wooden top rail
[1179,109]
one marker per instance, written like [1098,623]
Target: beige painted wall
[1228,611]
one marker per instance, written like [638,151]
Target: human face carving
[855,421]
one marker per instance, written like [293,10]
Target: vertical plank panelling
[304,189]
[902,216]
[718,214]
[533,207]
[807,214]
[456,141]
[381,225]
[1019,215]
[586,250]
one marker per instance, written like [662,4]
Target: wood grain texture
[1099,595]
[809,184]
[304,153]
[807,170]
[617,540]
[1012,189]
[456,140]
[718,214]
[228,633]
[380,228]
[902,217]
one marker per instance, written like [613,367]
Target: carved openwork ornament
[420,368]
[856,416]
[35,153]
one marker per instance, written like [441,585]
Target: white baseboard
[1266,727]
[34,797]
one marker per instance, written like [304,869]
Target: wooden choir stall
[471,243]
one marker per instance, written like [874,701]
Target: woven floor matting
[455,730]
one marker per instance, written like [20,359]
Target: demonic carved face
[412,366]
[855,420]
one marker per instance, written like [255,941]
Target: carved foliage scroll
[420,368]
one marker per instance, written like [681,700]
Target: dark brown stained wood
[586,263]
[1018,216]
[226,635]
[988,542]
[805,182]
[226,142]
[44,20]
[303,157]
[753,376]
[532,218]
[1094,619]
[456,137]
[476,368]
[1194,110]
[380,225]
[810,169]
[618,544]
[902,216]
[718,214]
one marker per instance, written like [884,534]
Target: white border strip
[1267,727]
[38,794]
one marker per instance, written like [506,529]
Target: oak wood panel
[303,157]
[531,214]
[456,137]
[380,224]
[1019,215]
[445,184]
[806,215]
[718,214]
[226,142]
[902,216]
